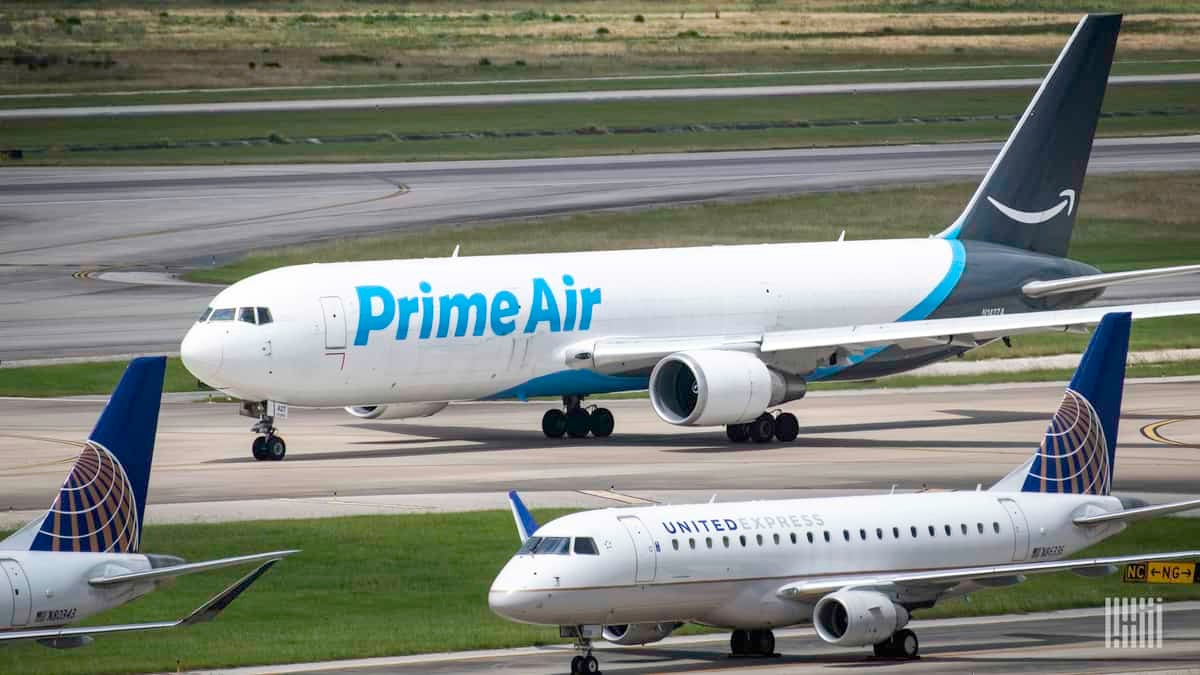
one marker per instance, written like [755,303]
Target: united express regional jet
[719,335]
[854,567]
[82,557]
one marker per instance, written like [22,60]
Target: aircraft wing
[610,355]
[187,568]
[812,589]
[56,637]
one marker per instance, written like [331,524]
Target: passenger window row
[863,535]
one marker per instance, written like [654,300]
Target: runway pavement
[1071,641]
[616,95]
[469,455]
[57,223]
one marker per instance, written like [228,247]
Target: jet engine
[638,633]
[395,411]
[857,618]
[711,387]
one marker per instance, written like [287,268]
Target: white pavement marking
[455,100]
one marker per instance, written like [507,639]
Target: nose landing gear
[268,446]
[783,427]
[577,421]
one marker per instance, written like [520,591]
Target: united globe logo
[95,511]
[1073,457]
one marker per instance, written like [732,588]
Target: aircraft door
[1020,529]
[643,544]
[6,601]
[335,323]
[21,598]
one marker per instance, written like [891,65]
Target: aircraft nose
[507,598]
[201,352]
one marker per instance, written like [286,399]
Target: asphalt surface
[1072,641]
[57,223]
[468,456]
[617,95]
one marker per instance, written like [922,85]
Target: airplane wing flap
[811,589]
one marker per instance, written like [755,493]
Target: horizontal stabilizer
[206,612]
[187,568]
[813,588]
[1038,289]
[1140,513]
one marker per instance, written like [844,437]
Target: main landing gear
[902,644]
[585,663]
[759,642]
[577,421]
[783,426]
[268,446]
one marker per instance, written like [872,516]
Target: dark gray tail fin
[1030,196]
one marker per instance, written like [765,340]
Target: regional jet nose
[508,597]
[201,352]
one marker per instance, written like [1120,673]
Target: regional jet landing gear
[577,421]
[902,644]
[782,426]
[759,642]
[268,446]
[583,663]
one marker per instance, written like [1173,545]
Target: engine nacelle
[638,633]
[395,411]
[712,387]
[857,618]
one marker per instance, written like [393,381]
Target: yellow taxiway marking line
[1151,431]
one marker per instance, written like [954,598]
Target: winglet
[526,525]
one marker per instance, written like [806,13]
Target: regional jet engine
[395,411]
[638,633]
[712,387]
[857,618]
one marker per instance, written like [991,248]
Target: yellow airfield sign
[1160,573]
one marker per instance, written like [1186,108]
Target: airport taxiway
[63,227]
[467,456]
[1070,641]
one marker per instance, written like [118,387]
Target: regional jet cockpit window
[547,546]
[204,315]
[264,316]
[246,314]
[223,314]
[585,546]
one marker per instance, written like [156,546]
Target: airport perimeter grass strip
[391,585]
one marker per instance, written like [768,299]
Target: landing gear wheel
[602,423]
[906,644]
[738,433]
[884,649]
[554,423]
[739,643]
[787,427]
[590,665]
[577,665]
[762,429]
[579,423]
[259,448]
[274,448]
[766,643]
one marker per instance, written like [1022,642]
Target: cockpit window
[585,546]
[264,316]
[204,314]
[224,314]
[246,314]
[553,546]
[530,544]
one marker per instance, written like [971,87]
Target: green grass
[83,378]
[390,585]
[683,126]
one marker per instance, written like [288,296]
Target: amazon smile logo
[1036,217]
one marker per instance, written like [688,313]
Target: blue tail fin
[1080,447]
[101,503]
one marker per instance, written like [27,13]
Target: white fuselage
[41,589]
[468,328]
[724,564]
